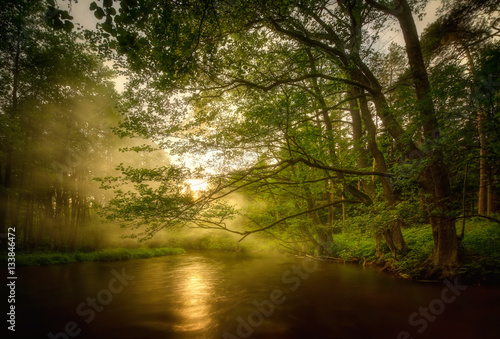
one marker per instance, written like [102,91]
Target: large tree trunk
[436,179]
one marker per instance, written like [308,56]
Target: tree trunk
[359,147]
[482,201]
[435,177]
[395,235]
[492,193]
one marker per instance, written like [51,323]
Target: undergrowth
[480,251]
[112,254]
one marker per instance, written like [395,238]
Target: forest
[332,129]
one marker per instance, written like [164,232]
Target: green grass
[481,247]
[352,246]
[216,242]
[480,251]
[112,254]
[420,243]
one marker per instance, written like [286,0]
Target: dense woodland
[58,111]
[308,123]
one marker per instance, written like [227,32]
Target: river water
[229,295]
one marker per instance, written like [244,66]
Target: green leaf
[65,15]
[106,26]
[52,12]
[99,13]
[68,26]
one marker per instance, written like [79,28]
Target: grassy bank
[114,254]
[480,248]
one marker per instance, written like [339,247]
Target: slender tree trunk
[329,133]
[357,134]
[394,235]
[4,194]
[482,201]
[492,193]
[464,191]
[329,198]
[373,147]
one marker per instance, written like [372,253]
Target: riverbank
[480,253]
[480,249]
[112,254]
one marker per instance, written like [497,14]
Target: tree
[56,110]
[269,84]
[462,29]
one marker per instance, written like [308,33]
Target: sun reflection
[195,294]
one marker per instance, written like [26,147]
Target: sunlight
[195,292]
[197,185]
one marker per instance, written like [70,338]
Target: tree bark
[436,179]
[359,147]
[394,232]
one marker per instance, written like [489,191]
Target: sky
[81,13]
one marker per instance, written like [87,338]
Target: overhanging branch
[247,233]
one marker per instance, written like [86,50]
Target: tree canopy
[303,113]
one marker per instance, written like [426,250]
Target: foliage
[420,243]
[350,246]
[57,111]
[113,254]
[264,91]
[481,252]
[480,258]
[296,107]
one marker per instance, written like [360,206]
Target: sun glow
[197,185]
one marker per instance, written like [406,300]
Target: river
[233,295]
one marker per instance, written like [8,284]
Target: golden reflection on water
[195,292]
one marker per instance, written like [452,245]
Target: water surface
[229,295]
